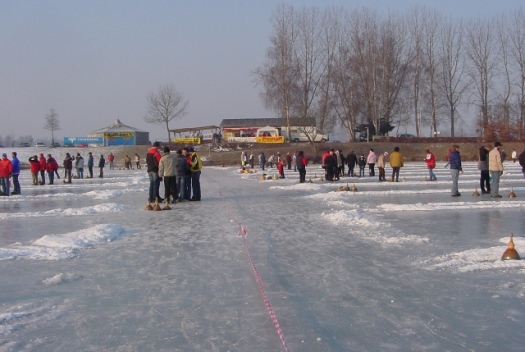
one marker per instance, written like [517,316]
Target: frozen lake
[391,267]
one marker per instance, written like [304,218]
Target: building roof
[191,129]
[117,126]
[263,122]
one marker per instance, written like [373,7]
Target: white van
[300,134]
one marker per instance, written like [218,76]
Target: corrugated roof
[263,122]
[117,126]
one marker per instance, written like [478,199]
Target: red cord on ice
[243,233]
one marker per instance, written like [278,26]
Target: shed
[121,134]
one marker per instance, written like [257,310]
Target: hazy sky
[96,61]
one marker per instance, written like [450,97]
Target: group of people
[334,162]
[127,162]
[180,172]
[42,166]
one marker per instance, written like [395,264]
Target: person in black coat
[351,161]
[101,164]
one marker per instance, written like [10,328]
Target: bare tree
[279,72]
[505,90]
[166,105]
[346,101]
[433,21]
[52,124]
[482,57]
[516,34]
[452,83]
[416,57]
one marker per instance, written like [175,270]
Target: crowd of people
[334,162]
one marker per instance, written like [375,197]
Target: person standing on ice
[431,164]
[262,161]
[351,161]
[6,169]
[396,162]
[90,165]
[43,168]
[362,165]
[455,169]
[79,165]
[251,160]
[52,166]
[195,168]
[495,169]
[280,168]
[101,164]
[483,167]
[514,155]
[371,161]
[289,160]
[168,171]
[15,173]
[243,159]
[381,166]
[68,166]
[182,169]
[152,162]
[34,167]
[111,158]
[301,163]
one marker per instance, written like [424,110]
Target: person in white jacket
[495,169]
[371,161]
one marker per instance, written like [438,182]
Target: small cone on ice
[510,253]
[475,193]
[148,206]
[310,180]
[512,194]
[340,189]
[275,177]
[347,188]
[156,207]
[262,177]
[354,188]
[166,206]
[426,178]
[404,179]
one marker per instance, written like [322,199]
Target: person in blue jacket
[455,169]
[16,172]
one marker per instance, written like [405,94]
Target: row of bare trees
[414,70]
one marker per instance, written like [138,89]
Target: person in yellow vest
[396,162]
[195,168]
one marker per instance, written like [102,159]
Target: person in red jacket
[431,164]
[43,168]
[34,166]
[51,168]
[6,169]
[152,161]
[280,168]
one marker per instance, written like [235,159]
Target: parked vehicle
[406,135]
[56,145]
[24,145]
[40,145]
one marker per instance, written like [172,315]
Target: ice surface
[391,267]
